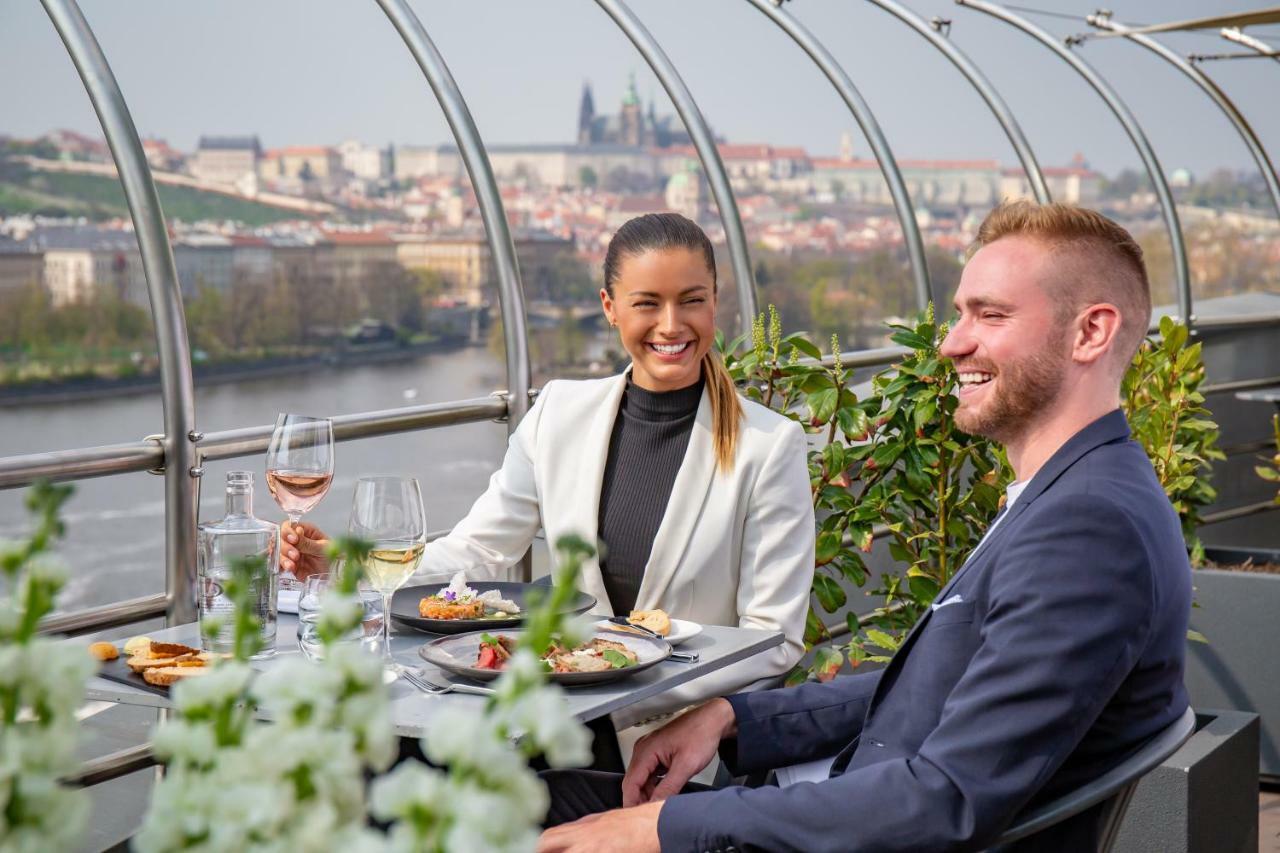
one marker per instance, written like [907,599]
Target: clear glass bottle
[220,543]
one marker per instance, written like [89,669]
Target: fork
[434,689]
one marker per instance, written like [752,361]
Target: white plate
[681,630]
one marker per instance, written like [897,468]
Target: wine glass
[387,511]
[300,463]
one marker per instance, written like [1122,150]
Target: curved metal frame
[177,389]
[1131,127]
[1239,36]
[971,72]
[501,246]
[1211,89]
[703,143]
[875,136]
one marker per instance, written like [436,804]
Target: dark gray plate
[457,654]
[404,607]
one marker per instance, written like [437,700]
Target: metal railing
[180,451]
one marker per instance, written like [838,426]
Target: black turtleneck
[647,446]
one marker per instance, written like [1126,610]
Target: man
[1053,653]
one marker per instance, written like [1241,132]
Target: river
[115,525]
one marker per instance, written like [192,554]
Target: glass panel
[114,545]
[75,320]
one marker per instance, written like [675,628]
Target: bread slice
[138,663]
[169,650]
[656,621]
[165,676]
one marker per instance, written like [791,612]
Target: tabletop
[412,710]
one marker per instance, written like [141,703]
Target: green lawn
[102,198]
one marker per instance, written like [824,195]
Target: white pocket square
[955,599]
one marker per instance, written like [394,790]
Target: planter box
[1204,799]
[1239,668]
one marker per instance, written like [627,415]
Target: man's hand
[618,831]
[682,747]
[303,550]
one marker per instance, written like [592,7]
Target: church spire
[586,115]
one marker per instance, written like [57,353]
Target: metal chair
[1113,788]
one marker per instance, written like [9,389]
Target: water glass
[310,602]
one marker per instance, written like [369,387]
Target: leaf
[1196,636]
[616,658]
[822,404]
[882,640]
[911,340]
[827,662]
[796,677]
[828,547]
[923,589]
[800,342]
[829,593]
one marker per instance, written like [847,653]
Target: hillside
[98,198]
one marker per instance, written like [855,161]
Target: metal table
[412,710]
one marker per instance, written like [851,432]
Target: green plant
[1271,472]
[1163,403]
[891,463]
[41,688]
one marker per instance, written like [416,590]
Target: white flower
[295,692]
[543,716]
[185,743]
[339,614]
[224,683]
[410,786]
[459,736]
[490,820]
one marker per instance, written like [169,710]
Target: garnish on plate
[595,655]
[459,601]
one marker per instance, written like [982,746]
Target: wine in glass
[300,463]
[387,511]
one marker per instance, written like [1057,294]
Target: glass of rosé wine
[300,463]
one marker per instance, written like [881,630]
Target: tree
[588,178]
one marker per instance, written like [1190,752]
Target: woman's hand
[303,550]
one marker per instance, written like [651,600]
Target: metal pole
[1211,89]
[1131,127]
[501,246]
[703,143]
[871,129]
[998,107]
[1239,36]
[176,389]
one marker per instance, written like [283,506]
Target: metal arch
[501,246]
[703,143]
[176,387]
[1240,37]
[871,129]
[1131,127]
[1213,91]
[999,108]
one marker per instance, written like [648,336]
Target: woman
[700,498]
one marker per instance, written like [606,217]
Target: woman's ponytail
[726,409]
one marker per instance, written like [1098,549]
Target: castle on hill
[632,125]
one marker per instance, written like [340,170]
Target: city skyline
[523,79]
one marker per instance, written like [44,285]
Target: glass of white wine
[300,463]
[387,511]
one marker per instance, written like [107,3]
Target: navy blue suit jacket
[1062,655]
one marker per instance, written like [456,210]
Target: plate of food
[151,665]
[606,656]
[674,631]
[455,607]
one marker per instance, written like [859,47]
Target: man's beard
[1023,389]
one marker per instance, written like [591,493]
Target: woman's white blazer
[733,548]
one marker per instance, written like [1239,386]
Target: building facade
[228,160]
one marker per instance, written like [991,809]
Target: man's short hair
[1095,261]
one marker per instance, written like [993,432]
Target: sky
[321,71]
